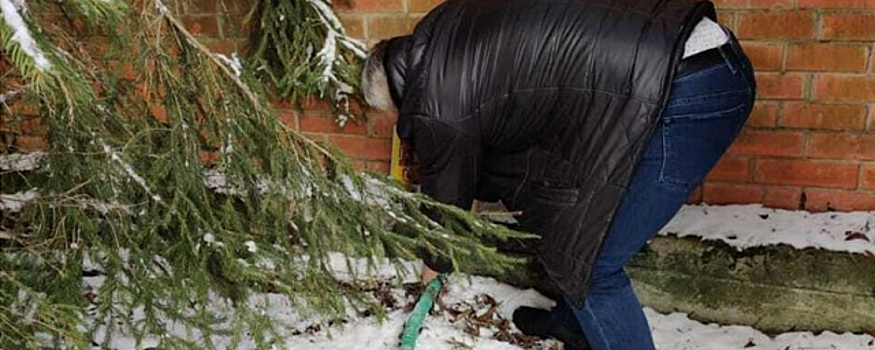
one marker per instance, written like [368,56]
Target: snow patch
[250,246]
[21,161]
[328,55]
[305,331]
[14,202]
[747,226]
[671,332]
[678,332]
[161,7]
[233,62]
[9,9]
[113,155]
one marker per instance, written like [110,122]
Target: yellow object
[396,170]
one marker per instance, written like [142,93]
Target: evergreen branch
[223,66]
[178,26]
[284,55]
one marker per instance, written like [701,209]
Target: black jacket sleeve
[450,166]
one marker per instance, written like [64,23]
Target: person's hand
[427,274]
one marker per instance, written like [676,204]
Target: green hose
[414,321]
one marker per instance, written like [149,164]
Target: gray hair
[375,83]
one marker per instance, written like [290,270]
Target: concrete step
[775,288]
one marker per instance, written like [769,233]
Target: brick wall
[810,142]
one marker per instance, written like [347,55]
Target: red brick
[730,4]
[776,25]
[828,57]
[867,178]
[823,116]
[731,168]
[31,143]
[764,56]
[314,103]
[849,26]
[360,165]
[382,123]
[871,127]
[363,147]
[288,117]
[354,25]
[842,146]
[202,25]
[371,6]
[822,200]
[771,3]
[320,122]
[780,86]
[769,143]
[159,113]
[727,19]
[315,137]
[837,4]
[21,107]
[380,167]
[836,87]
[209,158]
[696,197]
[355,110]
[806,173]
[764,115]
[386,27]
[782,197]
[422,5]
[32,126]
[872,61]
[726,193]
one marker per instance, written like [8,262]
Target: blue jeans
[705,111]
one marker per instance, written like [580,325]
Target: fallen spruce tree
[168,178]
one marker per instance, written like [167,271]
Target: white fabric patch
[706,35]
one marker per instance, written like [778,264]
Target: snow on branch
[21,35]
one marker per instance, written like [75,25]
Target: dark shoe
[540,323]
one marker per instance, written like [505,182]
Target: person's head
[375,82]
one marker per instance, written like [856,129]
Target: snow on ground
[745,226]
[20,161]
[14,202]
[671,332]
[465,292]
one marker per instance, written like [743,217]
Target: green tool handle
[414,321]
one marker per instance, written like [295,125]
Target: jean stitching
[687,186]
[713,115]
[683,101]
[664,153]
[597,324]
